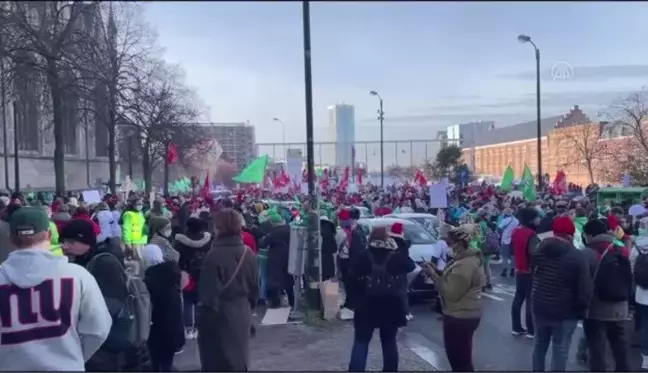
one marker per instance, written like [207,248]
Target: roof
[623,190]
[517,132]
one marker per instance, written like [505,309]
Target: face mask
[167,232]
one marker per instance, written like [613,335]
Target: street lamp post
[283,133]
[527,39]
[381,118]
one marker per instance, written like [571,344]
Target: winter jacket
[329,248]
[116,228]
[461,284]
[192,249]
[105,220]
[133,228]
[167,328]
[358,243]
[599,309]
[562,285]
[374,312]
[278,244]
[54,240]
[168,252]
[523,240]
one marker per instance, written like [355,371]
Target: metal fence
[403,153]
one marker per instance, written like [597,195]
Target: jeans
[599,334]
[263,272]
[522,295]
[507,257]
[188,313]
[458,341]
[360,349]
[559,335]
[641,318]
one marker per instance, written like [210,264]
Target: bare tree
[585,147]
[159,108]
[627,147]
[114,52]
[45,36]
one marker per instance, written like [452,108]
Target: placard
[438,196]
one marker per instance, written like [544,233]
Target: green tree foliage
[448,163]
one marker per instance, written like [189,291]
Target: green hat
[27,221]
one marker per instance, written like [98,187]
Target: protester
[192,245]
[379,302]
[160,234]
[329,247]
[561,291]
[524,240]
[133,228]
[228,291]
[105,220]
[82,212]
[33,274]
[6,246]
[278,279]
[460,287]
[397,234]
[167,337]
[506,227]
[608,311]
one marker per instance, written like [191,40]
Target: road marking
[491,296]
[432,355]
[427,355]
[499,289]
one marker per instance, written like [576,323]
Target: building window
[101,120]
[70,118]
[27,107]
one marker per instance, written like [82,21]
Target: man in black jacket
[79,241]
[561,290]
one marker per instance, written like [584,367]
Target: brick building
[567,142]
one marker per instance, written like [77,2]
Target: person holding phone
[459,286]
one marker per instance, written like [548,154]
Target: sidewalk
[305,348]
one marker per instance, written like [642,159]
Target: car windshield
[418,235]
[428,223]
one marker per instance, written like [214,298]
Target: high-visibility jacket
[54,240]
[133,228]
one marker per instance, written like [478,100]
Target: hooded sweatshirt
[105,220]
[562,286]
[641,245]
[49,287]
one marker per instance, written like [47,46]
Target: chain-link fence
[396,153]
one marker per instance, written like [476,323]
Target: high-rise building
[237,141]
[342,124]
[466,134]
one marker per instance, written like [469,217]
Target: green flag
[507,180]
[254,172]
[528,184]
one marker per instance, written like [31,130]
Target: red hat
[344,215]
[563,226]
[397,230]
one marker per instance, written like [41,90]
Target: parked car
[365,213]
[427,221]
[423,247]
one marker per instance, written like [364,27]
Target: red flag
[360,176]
[205,191]
[324,180]
[281,181]
[560,183]
[344,183]
[172,153]
[420,178]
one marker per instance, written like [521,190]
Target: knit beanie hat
[563,225]
[157,223]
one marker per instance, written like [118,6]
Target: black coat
[372,312]
[190,247]
[278,244]
[167,329]
[329,248]
[562,285]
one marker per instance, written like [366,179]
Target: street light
[381,118]
[283,131]
[527,39]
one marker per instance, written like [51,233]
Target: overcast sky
[435,63]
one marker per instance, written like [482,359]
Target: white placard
[91,196]
[438,196]
[294,162]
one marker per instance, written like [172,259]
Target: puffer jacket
[105,219]
[562,285]
[460,286]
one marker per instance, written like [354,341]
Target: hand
[429,270]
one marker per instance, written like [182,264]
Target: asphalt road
[495,348]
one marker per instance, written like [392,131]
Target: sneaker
[644,362]
[504,273]
[530,335]
[189,333]
[409,316]
[518,331]
[512,273]
[346,314]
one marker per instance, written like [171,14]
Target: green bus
[629,196]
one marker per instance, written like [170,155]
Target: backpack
[380,282]
[491,243]
[131,327]
[641,269]
[613,276]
